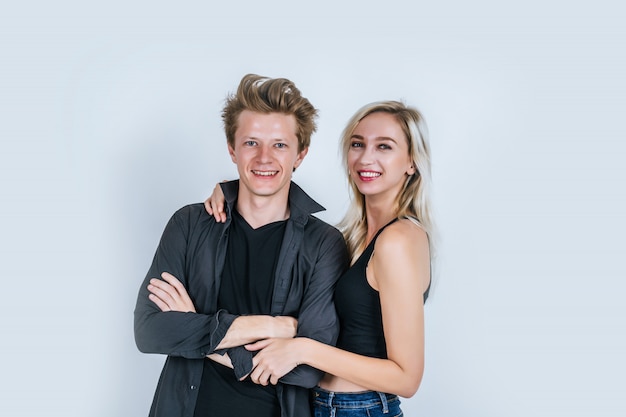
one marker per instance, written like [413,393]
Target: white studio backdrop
[110,121]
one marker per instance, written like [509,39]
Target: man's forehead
[263,124]
[255,115]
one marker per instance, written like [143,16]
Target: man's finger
[164,294]
[173,281]
[163,287]
[156,300]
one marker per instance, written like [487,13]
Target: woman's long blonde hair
[413,202]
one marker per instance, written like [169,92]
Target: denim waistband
[352,399]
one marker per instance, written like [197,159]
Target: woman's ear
[411,170]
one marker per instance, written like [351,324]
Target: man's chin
[267,191]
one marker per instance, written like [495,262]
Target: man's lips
[264,173]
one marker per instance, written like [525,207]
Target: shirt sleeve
[190,335]
[318,318]
[241,358]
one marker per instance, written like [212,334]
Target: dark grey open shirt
[193,246]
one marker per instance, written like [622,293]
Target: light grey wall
[109,121]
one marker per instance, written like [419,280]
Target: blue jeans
[355,404]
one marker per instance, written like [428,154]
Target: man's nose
[264,154]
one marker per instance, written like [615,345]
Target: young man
[268,270]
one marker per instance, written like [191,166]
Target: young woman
[380,300]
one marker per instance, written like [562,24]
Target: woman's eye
[384,146]
[356,145]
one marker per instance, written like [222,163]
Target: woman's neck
[377,216]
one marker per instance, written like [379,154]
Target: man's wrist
[247,329]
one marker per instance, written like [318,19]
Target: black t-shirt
[246,288]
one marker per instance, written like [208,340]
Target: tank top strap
[383,228]
[370,247]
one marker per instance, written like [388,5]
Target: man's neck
[259,211]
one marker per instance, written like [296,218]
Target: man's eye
[281,145]
[249,143]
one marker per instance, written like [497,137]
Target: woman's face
[378,157]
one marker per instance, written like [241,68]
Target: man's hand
[169,294]
[284,326]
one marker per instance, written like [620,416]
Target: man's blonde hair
[270,95]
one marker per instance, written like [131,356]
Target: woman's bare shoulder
[400,255]
[401,235]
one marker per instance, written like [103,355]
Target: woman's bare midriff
[336,384]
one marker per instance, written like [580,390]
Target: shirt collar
[300,204]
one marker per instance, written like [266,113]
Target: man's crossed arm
[169,294]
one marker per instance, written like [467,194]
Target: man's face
[266,152]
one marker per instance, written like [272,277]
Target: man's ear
[300,157]
[231,152]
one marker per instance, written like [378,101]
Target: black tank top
[358,307]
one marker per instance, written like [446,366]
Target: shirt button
[193,387]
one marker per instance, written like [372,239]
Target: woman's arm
[400,271]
